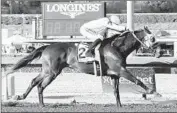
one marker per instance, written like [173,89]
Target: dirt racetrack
[75,107]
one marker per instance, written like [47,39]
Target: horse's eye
[152,39]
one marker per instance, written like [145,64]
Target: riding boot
[92,47]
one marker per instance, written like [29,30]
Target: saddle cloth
[82,49]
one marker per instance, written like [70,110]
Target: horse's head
[149,39]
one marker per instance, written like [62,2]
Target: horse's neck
[130,43]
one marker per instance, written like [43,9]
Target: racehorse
[113,53]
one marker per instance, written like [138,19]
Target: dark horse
[113,52]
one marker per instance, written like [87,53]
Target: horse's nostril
[152,39]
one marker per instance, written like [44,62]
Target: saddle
[94,59]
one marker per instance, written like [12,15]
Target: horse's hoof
[150,91]
[119,106]
[147,96]
[17,97]
[144,96]
[157,94]
[41,105]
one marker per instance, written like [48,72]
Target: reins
[138,40]
[132,32]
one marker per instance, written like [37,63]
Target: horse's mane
[112,38]
[139,30]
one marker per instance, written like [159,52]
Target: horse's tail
[27,59]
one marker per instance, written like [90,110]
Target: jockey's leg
[90,34]
[94,45]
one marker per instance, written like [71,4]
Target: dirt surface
[74,107]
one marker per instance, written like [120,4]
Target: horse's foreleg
[33,83]
[126,74]
[116,91]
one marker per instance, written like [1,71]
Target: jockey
[96,29]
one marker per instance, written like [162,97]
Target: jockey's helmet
[115,19]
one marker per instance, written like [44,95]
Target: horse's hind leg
[41,86]
[51,74]
[33,83]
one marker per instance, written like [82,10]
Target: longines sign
[64,18]
[65,10]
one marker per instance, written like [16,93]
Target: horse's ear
[147,30]
[145,27]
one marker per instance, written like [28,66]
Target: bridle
[145,46]
[132,32]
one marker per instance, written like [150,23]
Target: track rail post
[130,13]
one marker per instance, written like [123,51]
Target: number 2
[82,52]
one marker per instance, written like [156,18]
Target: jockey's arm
[116,27]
